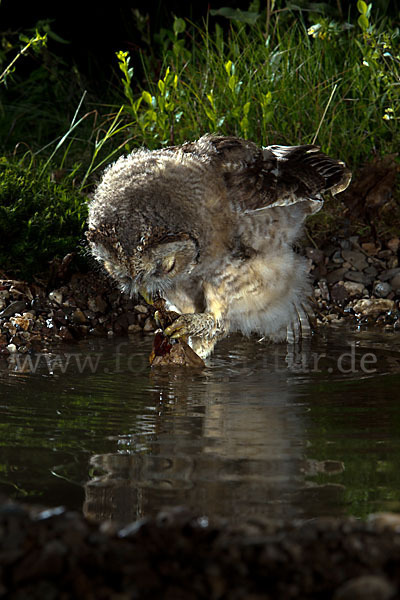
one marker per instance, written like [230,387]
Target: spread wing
[257,178]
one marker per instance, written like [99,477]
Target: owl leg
[203,346]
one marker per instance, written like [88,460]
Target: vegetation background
[79,88]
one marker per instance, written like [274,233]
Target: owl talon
[177,329]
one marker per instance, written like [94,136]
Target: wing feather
[260,178]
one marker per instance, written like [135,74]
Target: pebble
[97,304]
[354,289]
[15,307]
[373,306]
[78,317]
[366,587]
[370,248]
[140,308]
[336,275]
[382,289]
[337,257]
[395,282]
[316,255]
[356,276]
[394,245]
[22,322]
[355,258]
[56,296]
[149,325]
[389,274]
[339,293]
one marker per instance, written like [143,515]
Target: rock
[382,289]
[65,334]
[354,289]
[373,306]
[121,324]
[337,257]
[370,248]
[387,275]
[140,308]
[386,519]
[149,325]
[393,245]
[339,293]
[316,255]
[336,275]
[56,296]
[395,282]
[366,587]
[134,328]
[345,244]
[78,317]
[356,276]
[97,304]
[12,348]
[22,322]
[371,271]
[355,258]
[15,307]
[385,254]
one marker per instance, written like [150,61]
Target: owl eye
[168,264]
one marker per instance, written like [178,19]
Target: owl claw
[193,324]
[177,329]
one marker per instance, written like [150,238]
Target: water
[261,432]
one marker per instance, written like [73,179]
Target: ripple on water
[255,433]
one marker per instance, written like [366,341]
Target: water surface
[263,431]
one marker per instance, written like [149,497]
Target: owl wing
[257,178]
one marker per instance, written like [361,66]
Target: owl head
[155,264]
[145,224]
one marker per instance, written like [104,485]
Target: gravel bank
[354,283]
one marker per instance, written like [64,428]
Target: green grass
[281,86]
[333,83]
[40,219]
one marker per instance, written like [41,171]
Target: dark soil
[55,554]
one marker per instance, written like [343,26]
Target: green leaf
[246,108]
[228,67]
[362,7]
[232,83]
[161,86]
[363,22]
[147,97]
[57,38]
[179,26]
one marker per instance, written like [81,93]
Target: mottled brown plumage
[210,225]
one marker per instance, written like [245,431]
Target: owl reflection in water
[210,226]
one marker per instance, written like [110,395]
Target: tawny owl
[209,226]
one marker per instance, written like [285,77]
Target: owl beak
[146,296]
